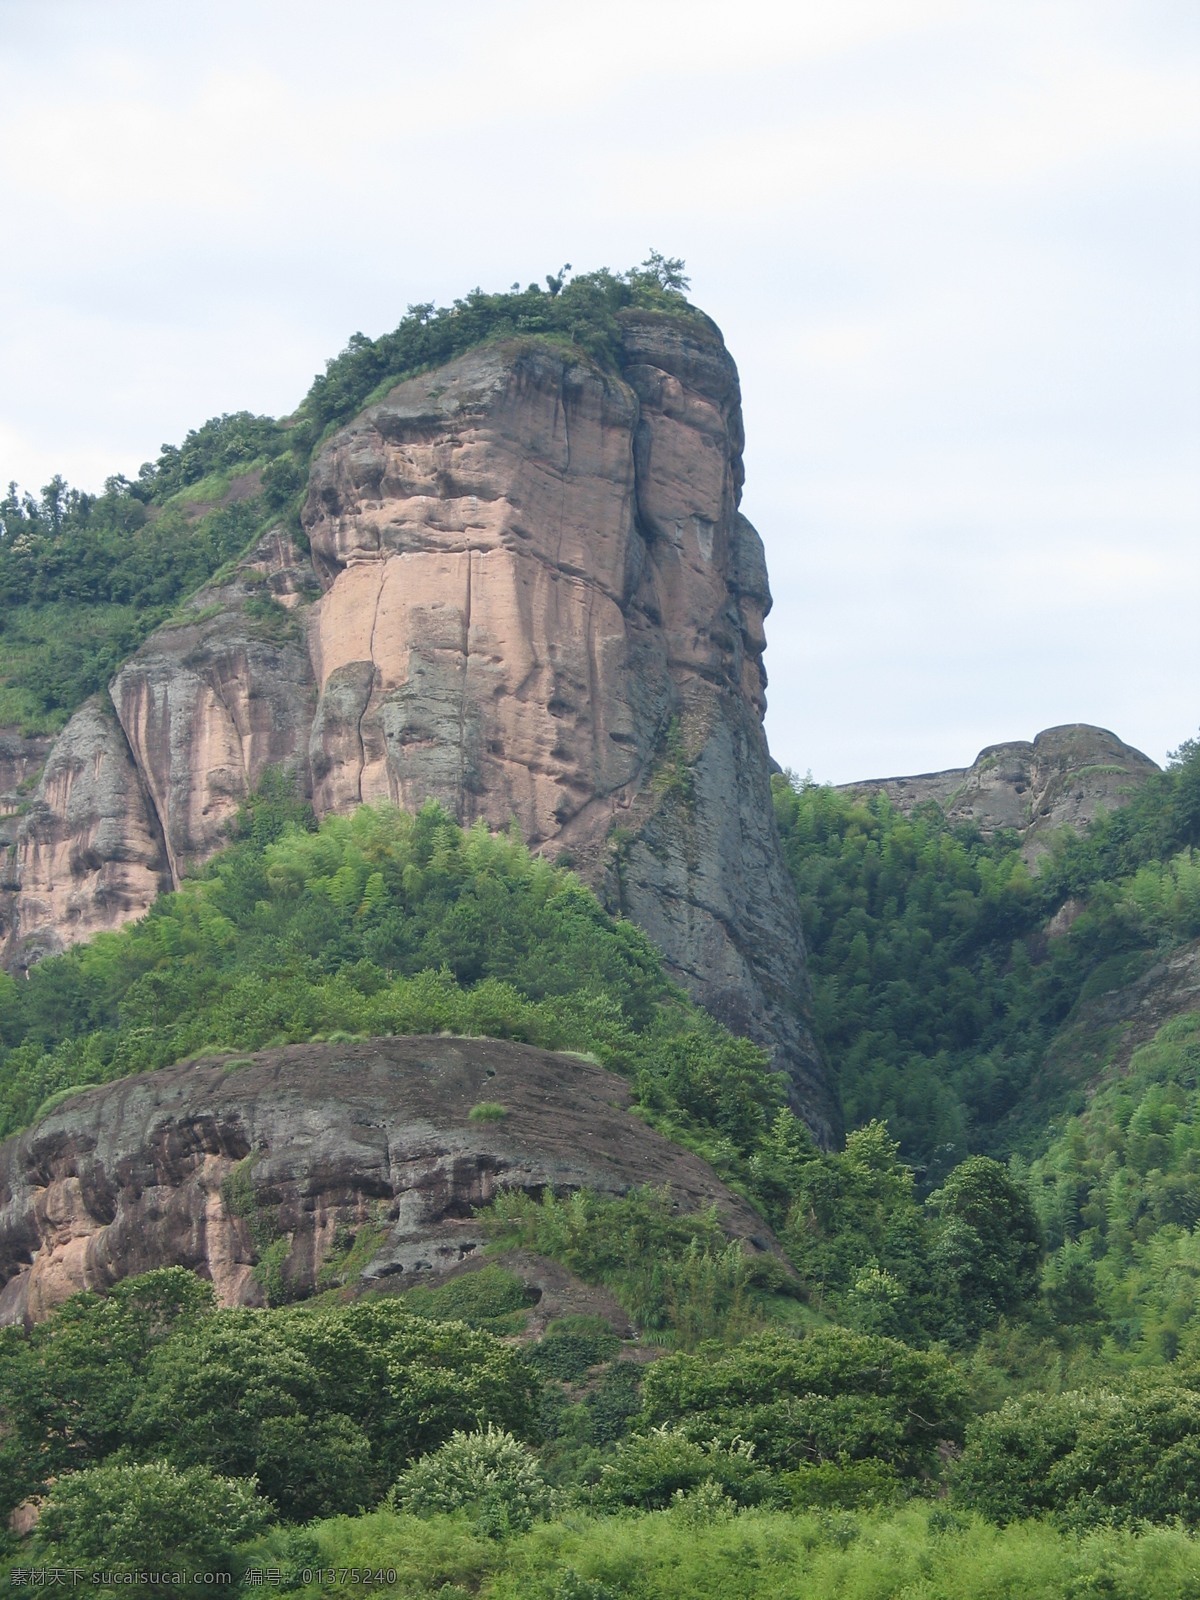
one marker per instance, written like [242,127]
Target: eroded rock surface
[541,602]
[206,1165]
[1067,776]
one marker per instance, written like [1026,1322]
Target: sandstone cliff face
[530,595]
[1067,776]
[207,1165]
[541,602]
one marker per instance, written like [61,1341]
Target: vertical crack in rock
[462,700]
[373,680]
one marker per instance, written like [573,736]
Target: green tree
[489,1474]
[69,1386]
[988,1244]
[830,1396]
[1087,1457]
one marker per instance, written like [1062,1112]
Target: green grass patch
[487,1111]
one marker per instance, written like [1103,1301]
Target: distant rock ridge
[1065,777]
[528,593]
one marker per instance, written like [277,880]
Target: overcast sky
[954,246]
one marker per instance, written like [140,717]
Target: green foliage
[150,1516]
[857,1235]
[487,1111]
[674,1274]
[612,1404]
[1087,1458]
[573,1345]
[377,923]
[226,443]
[1118,1194]
[323,1407]
[583,315]
[488,1297]
[989,1244]
[829,1396]
[650,1469]
[85,578]
[882,1263]
[69,1385]
[488,1474]
[351,1252]
[760,1554]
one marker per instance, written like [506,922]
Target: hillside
[960,994]
[427,1026]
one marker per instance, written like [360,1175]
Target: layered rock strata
[209,1165]
[1064,778]
[530,595]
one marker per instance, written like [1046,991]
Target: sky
[953,245]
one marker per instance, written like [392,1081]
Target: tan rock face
[541,602]
[530,595]
[476,533]
[207,706]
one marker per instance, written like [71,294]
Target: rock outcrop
[530,595]
[304,1151]
[1067,776]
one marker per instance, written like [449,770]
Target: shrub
[147,1516]
[1087,1458]
[489,1297]
[830,1396]
[572,1345]
[651,1468]
[489,1474]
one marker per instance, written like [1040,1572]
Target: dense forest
[975,1369]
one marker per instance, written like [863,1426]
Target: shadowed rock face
[530,595]
[1067,776]
[205,1165]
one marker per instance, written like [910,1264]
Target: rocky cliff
[1065,777]
[308,1151]
[528,594]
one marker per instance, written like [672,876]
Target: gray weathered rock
[205,1164]
[1064,778]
